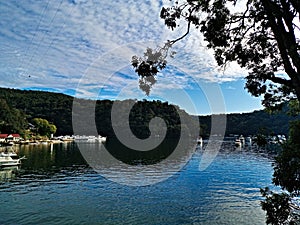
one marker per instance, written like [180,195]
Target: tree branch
[279,32]
[280,80]
[183,36]
[296,4]
[187,31]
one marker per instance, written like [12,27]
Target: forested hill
[57,109]
[252,123]
[54,107]
[15,105]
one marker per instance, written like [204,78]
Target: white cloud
[60,44]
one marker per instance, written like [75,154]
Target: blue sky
[84,48]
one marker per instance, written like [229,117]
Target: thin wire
[39,45]
[53,40]
[34,35]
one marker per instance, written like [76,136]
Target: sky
[83,48]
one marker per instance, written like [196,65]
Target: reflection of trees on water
[50,157]
[8,173]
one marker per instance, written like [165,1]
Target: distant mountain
[252,123]
[57,109]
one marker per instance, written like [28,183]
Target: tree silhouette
[263,38]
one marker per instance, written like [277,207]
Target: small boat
[199,140]
[101,139]
[237,142]
[248,141]
[66,138]
[9,159]
[242,140]
[85,138]
[89,138]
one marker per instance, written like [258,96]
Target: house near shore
[10,137]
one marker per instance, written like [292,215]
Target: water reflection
[51,156]
[56,182]
[123,165]
[8,173]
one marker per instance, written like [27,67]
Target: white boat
[242,140]
[199,140]
[248,141]
[101,139]
[85,138]
[66,138]
[81,138]
[9,159]
[237,142]
[10,143]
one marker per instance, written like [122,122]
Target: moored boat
[101,139]
[199,140]
[9,159]
[237,142]
[84,138]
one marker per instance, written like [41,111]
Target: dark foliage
[287,169]
[262,38]
[12,120]
[150,64]
[54,107]
[251,123]
[287,163]
[43,127]
[277,207]
[57,109]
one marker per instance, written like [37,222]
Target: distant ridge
[57,108]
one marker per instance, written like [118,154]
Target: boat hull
[9,159]
[10,163]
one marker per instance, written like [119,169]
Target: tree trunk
[297,90]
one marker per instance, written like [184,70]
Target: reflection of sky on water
[227,192]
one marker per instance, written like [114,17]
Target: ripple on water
[227,192]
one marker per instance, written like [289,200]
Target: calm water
[55,186]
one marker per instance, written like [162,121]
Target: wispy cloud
[230,88]
[63,44]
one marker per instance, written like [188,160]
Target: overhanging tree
[263,38]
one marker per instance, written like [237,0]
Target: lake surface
[56,186]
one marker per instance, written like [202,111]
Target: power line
[35,33]
[43,37]
[53,40]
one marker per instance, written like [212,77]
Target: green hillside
[252,123]
[54,107]
[57,109]
[18,107]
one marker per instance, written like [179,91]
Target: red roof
[6,135]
